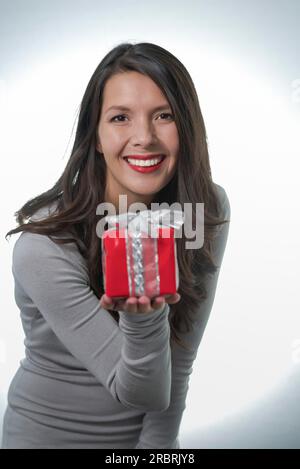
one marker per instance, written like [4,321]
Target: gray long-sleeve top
[87,381]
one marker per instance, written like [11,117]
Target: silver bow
[140,222]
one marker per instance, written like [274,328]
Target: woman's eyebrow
[125,108]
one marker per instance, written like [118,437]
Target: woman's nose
[143,133]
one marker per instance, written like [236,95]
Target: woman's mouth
[145,166]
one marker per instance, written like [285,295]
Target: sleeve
[160,429]
[132,359]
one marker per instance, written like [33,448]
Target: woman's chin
[139,194]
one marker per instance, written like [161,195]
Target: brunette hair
[81,186]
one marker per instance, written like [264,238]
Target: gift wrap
[139,255]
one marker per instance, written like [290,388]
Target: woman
[95,374]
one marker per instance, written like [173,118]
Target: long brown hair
[81,186]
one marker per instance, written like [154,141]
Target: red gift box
[158,263]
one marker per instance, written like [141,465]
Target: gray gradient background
[244,60]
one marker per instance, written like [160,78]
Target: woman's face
[140,130]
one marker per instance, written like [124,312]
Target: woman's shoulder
[33,247]
[38,252]
[223,199]
[31,241]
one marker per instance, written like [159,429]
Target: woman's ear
[98,146]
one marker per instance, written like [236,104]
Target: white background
[244,60]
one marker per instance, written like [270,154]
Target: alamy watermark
[171,215]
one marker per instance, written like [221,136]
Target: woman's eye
[166,114]
[123,115]
[113,118]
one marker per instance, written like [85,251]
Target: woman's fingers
[131,305]
[158,302]
[141,305]
[106,302]
[172,299]
[145,305]
[110,303]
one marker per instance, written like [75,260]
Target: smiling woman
[93,376]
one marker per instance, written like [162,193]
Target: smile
[145,166]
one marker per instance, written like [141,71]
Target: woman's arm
[160,429]
[131,360]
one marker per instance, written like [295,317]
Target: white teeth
[145,162]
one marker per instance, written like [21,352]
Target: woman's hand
[141,305]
